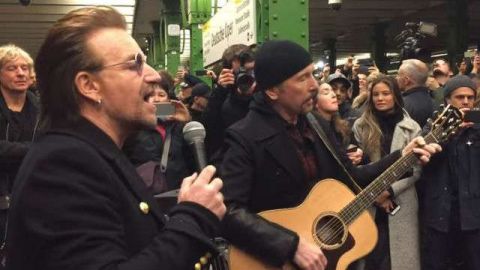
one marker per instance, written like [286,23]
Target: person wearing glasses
[78,202]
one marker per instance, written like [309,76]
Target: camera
[335,4]
[412,40]
[25,2]
[244,78]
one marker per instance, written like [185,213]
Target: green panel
[156,53]
[171,43]
[172,61]
[196,55]
[262,21]
[289,20]
[199,11]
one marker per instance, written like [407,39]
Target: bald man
[412,77]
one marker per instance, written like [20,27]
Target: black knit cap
[278,60]
[457,82]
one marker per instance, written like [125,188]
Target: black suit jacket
[76,205]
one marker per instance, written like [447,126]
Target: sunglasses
[134,64]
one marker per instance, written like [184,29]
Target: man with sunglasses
[78,202]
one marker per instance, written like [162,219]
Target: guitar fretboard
[367,196]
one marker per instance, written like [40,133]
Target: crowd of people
[83,151]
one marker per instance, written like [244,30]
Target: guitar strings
[349,212]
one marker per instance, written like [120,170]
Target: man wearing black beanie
[272,158]
[451,191]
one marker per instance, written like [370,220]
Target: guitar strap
[323,137]
[166,149]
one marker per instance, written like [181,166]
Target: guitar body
[316,213]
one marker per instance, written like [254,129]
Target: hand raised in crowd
[465,124]
[181,112]
[211,74]
[476,63]
[355,69]
[356,156]
[199,189]
[421,149]
[226,77]
[373,70]
[180,75]
[309,256]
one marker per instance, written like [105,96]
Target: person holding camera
[451,190]
[231,95]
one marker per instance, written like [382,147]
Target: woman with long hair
[383,128]
[335,127]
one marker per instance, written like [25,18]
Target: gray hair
[416,70]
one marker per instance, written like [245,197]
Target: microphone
[194,135]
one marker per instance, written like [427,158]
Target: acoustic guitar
[336,219]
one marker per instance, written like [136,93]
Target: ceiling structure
[352,26]
[26,26]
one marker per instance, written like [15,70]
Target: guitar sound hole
[330,230]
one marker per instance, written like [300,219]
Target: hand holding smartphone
[472,116]
[164,110]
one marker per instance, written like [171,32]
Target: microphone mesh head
[194,131]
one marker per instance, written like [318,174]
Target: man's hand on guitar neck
[423,150]
[309,256]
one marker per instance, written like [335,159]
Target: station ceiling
[352,26]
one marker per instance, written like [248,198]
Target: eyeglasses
[134,64]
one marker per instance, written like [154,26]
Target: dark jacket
[77,204]
[12,150]
[225,107]
[147,145]
[261,171]
[419,104]
[452,179]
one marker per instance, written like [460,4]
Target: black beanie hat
[278,60]
[457,82]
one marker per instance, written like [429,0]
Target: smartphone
[165,109]
[472,116]
[396,208]
[352,149]
[201,72]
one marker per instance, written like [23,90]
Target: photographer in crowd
[231,95]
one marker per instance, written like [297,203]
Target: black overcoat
[79,204]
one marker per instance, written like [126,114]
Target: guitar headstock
[446,124]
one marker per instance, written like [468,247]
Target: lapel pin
[144,207]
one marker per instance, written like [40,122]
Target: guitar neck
[367,196]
